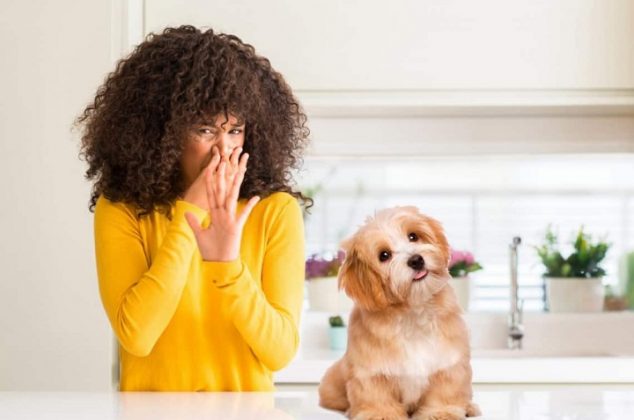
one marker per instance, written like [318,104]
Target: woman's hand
[197,191]
[221,240]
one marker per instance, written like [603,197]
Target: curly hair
[134,130]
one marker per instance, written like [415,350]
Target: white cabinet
[420,57]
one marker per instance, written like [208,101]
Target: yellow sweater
[184,324]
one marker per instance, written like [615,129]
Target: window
[483,202]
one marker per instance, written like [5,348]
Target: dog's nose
[416,262]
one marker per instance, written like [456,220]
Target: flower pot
[338,338]
[575,294]
[463,287]
[323,295]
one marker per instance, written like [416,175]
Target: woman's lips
[420,275]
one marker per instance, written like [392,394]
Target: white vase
[323,295]
[463,287]
[574,294]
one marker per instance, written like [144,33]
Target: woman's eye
[412,237]
[236,131]
[206,131]
[384,256]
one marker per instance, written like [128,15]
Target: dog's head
[399,256]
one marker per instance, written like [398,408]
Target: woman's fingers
[221,189]
[224,188]
[232,168]
[211,168]
[234,190]
[215,158]
[211,195]
[235,158]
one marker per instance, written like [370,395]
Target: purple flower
[461,256]
[456,257]
[317,266]
[462,263]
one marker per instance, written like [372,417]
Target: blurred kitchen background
[498,118]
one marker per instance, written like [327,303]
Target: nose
[416,262]
[224,145]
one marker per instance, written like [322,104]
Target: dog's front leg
[448,395]
[332,388]
[374,398]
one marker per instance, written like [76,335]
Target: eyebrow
[209,123]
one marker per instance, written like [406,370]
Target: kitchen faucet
[516,329]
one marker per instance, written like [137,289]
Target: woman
[200,260]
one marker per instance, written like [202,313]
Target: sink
[534,353]
[548,335]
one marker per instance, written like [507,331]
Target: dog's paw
[473,410]
[369,416]
[450,412]
[378,415]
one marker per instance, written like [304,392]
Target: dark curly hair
[134,130]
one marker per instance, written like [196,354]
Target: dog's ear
[439,238]
[360,281]
[346,246]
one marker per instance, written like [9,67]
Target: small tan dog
[408,346]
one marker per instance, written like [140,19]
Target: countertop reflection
[162,405]
[498,402]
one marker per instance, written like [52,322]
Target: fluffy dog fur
[408,346]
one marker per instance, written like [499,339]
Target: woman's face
[203,136]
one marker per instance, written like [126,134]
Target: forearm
[140,314]
[270,329]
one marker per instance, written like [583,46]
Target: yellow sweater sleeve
[140,298]
[268,318]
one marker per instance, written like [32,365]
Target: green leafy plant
[336,321]
[582,262]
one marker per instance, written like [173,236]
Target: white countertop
[492,367]
[508,402]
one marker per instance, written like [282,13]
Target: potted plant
[321,284]
[338,333]
[461,264]
[573,283]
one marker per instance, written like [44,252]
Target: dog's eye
[384,256]
[412,237]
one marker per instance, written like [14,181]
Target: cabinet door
[337,45]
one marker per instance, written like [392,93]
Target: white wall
[53,331]
[427,44]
